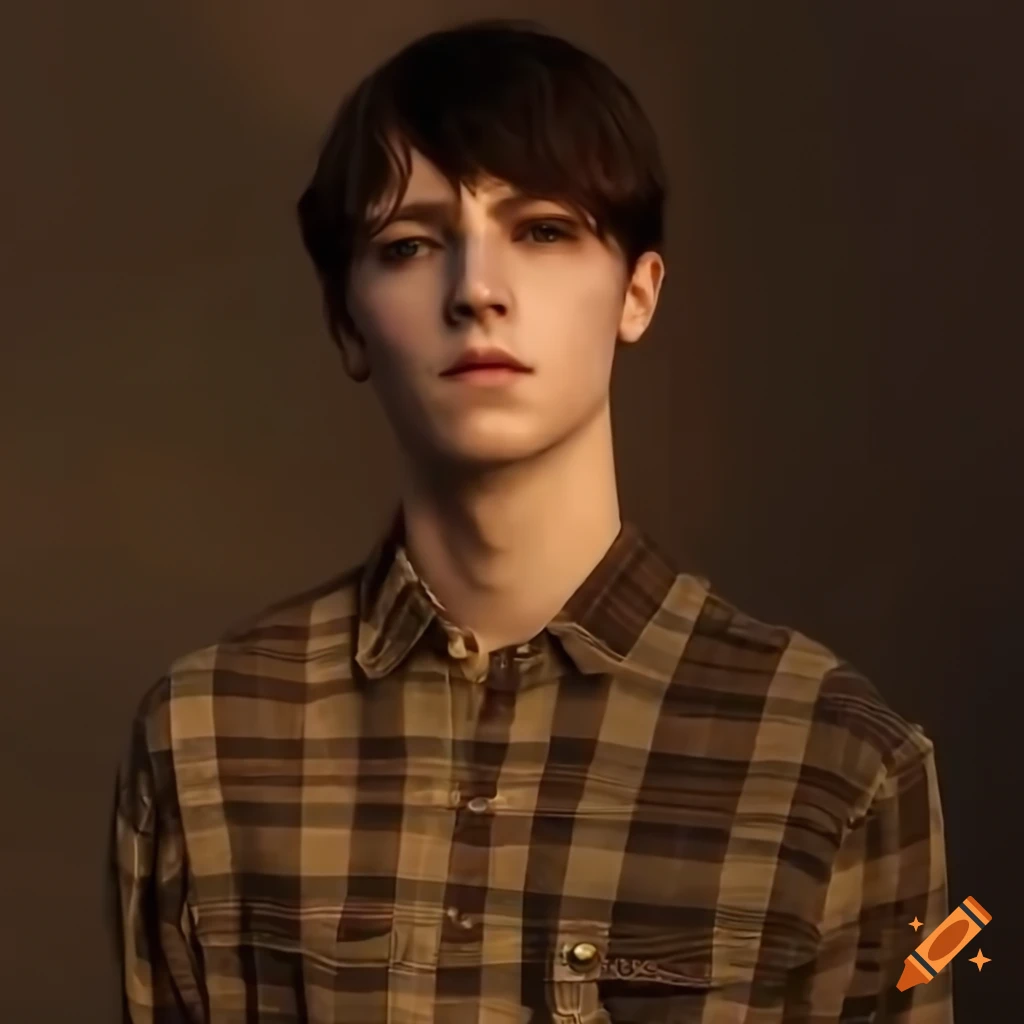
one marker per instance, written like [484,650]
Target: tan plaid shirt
[659,810]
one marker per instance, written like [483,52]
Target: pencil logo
[943,944]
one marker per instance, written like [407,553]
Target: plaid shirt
[658,810]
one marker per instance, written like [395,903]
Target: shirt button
[463,921]
[582,956]
[479,804]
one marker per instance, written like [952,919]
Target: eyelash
[387,252]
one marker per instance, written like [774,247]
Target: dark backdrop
[831,387]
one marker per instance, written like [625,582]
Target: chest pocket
[293,962]
[595,974]
[269,902]
[674,974]
[592,978]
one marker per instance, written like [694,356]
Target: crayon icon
[943,943]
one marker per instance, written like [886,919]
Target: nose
[479,291]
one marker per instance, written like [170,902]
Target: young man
[516,767]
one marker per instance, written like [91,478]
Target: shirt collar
[628,614]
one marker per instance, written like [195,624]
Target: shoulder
[316,609]
[269,654]
[806,706]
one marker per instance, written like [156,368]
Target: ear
[641,299]
[350,343]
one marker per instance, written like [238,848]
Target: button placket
[491,706]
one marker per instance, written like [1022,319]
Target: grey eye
[400,250]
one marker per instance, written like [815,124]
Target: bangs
[475,121]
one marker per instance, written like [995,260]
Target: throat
[511,600]
[503,552]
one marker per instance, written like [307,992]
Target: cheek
[588,292]
[396,321]
[580,323]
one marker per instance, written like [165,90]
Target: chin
[480,454]
[487,457]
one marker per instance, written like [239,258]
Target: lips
[460,371]
[485,359]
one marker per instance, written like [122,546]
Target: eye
[547,231]
[401,250]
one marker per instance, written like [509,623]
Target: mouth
[486,374]
[486,365]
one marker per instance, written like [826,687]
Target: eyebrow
[440,211]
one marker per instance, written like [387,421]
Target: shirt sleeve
[161,974]
[891,871]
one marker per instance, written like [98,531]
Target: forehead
[427,183]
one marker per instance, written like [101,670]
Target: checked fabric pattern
[658,810]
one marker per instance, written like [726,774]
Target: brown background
[825,418]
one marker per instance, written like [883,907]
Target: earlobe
[353,358]
[351,346]
[353,354]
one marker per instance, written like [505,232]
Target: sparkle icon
[915,924]
[980,959]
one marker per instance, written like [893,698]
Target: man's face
[490,269]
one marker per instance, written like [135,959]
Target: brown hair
[494,98]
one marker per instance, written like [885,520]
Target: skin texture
[509,495]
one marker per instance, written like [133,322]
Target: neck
[503,550]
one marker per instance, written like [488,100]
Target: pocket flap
[320,932]
[661,955]
[704,956]
[585,951]
[779,945]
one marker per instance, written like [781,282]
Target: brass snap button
[582,956]
[479,804]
